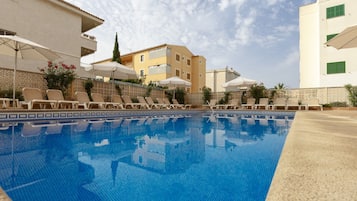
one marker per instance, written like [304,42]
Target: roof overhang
[89,21]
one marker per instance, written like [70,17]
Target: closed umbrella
[346,39]
[22,48]
[239,82]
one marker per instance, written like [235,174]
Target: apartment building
[216,77]
[322,66]
[55,24]
[165,61]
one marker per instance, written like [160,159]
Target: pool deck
[319,158]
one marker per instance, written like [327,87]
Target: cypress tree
[116,52]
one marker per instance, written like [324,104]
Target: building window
[178,73]
[335,11]
[142,58]
[329,37]
[142,73]
[336,67]
[188,76]
[189,62]
[177,57]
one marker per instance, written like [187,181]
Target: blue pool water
[191,157]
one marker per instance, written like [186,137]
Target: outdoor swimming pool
[166,157]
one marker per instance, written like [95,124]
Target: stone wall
[35,80]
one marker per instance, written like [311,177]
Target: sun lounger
[128,103]
[97,97]
[263,103]
[33,97]
[143,103]
[55,94]
[117,100]
[179,105]
[293,103]
[232,104]
[164,105]
[153,104]
[4,102]
[279,102]
[84,101]
[250,104]
[212,104]
[312,103]
[173,105]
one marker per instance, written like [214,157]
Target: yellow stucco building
[165,61]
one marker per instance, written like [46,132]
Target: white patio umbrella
[346,39]
[174,82]
[22,48]
[115,70]
[239,82]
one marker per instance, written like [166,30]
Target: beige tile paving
[319,158]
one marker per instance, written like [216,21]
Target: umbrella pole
[14,78]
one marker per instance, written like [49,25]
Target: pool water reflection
[197,157]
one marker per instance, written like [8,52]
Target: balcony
[88,44]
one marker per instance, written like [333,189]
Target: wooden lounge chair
[143,103]
[152,104]
[279,102]
[179,105]
[263,103]
[293,103]
[55,94]
[250,104]
[84,101]
[128,103]
[33,97]
[97,97]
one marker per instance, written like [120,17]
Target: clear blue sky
[257,38]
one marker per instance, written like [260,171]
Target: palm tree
[279,90]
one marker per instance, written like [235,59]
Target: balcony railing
[88,44]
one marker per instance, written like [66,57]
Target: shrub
[352,90]
[88,85]
[59,76]
[207,94]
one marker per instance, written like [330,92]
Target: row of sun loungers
[279,103]
[33,98]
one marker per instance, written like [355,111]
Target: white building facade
[322,66]
[55,24]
